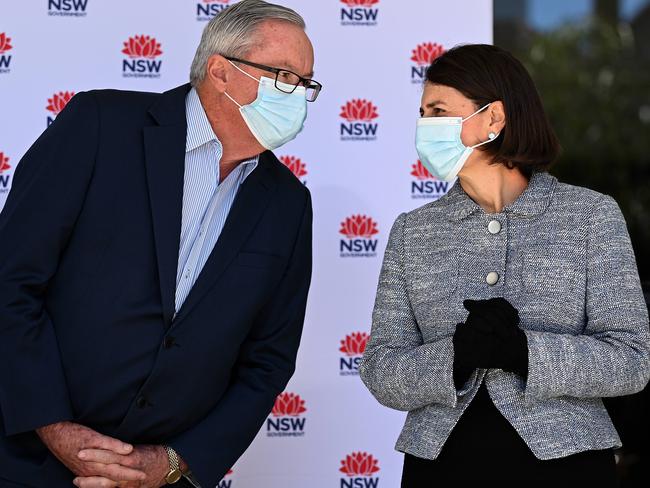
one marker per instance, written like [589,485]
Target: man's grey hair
[232,32]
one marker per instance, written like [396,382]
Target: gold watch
[175,473]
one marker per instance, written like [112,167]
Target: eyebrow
[434,103]
[431,105]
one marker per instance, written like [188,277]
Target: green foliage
[596,90]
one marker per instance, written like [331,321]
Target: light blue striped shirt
[206,202]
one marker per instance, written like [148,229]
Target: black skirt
[484,448]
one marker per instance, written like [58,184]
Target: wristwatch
[175,473]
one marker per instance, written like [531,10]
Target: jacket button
[141,401]
[494,227]
[168,342]
[492,278]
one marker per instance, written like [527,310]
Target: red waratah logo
[59,101]
[360,3]
[288,405]
[296,166]
[4,163]
[420,172]
[425,185]
[359,110]
[359,226]
[354,344]
[426,53]
[142,47]
[359,464]
[5,43]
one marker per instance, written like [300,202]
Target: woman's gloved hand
[490,338]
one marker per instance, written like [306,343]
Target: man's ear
[497,116]
[218,72]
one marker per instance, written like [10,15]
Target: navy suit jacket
[89,240]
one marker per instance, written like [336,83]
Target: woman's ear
[497,116]
[218,72]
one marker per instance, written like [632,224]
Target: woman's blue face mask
[438,143]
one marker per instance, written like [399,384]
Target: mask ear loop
[491,136]
[232,99]
[244,72]
[248,74]
[470,116]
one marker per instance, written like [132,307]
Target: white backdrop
[356,155]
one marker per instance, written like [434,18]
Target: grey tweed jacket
[562,256]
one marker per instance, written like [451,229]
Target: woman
[509,307]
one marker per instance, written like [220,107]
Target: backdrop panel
[356,155]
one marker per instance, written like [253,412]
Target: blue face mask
[274,117]
[438,143]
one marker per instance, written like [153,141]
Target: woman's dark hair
[484,74]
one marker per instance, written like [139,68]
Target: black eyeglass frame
[306,82]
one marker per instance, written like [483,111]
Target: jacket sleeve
[612,355]
[265,364]
[48,191]
[399,369]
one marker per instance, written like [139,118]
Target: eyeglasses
[286,77]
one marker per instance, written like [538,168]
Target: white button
[492,278]
[494,227]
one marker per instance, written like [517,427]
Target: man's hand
[151,460]
[66,439]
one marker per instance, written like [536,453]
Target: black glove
[489,338]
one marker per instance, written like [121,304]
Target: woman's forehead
[442,94]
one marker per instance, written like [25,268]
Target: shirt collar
[199,131]
[534,200]
[248,166]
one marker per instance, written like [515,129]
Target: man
[156,259]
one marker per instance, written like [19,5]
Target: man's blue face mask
[274,117]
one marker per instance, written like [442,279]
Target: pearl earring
[491,135]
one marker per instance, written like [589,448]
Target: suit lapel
[248,207]
[164,146]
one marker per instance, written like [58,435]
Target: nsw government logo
[206,9]
[360,469]
[5,47]
[422,56]
[67,8]
[352,348]
[425,185]
[358,126]
[359,12]
[359,232]
[286,419]
[57,103]
[297,167]
[226,482]
[141,62]
[5,178]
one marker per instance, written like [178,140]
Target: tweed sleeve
[611,357]
[399,369]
